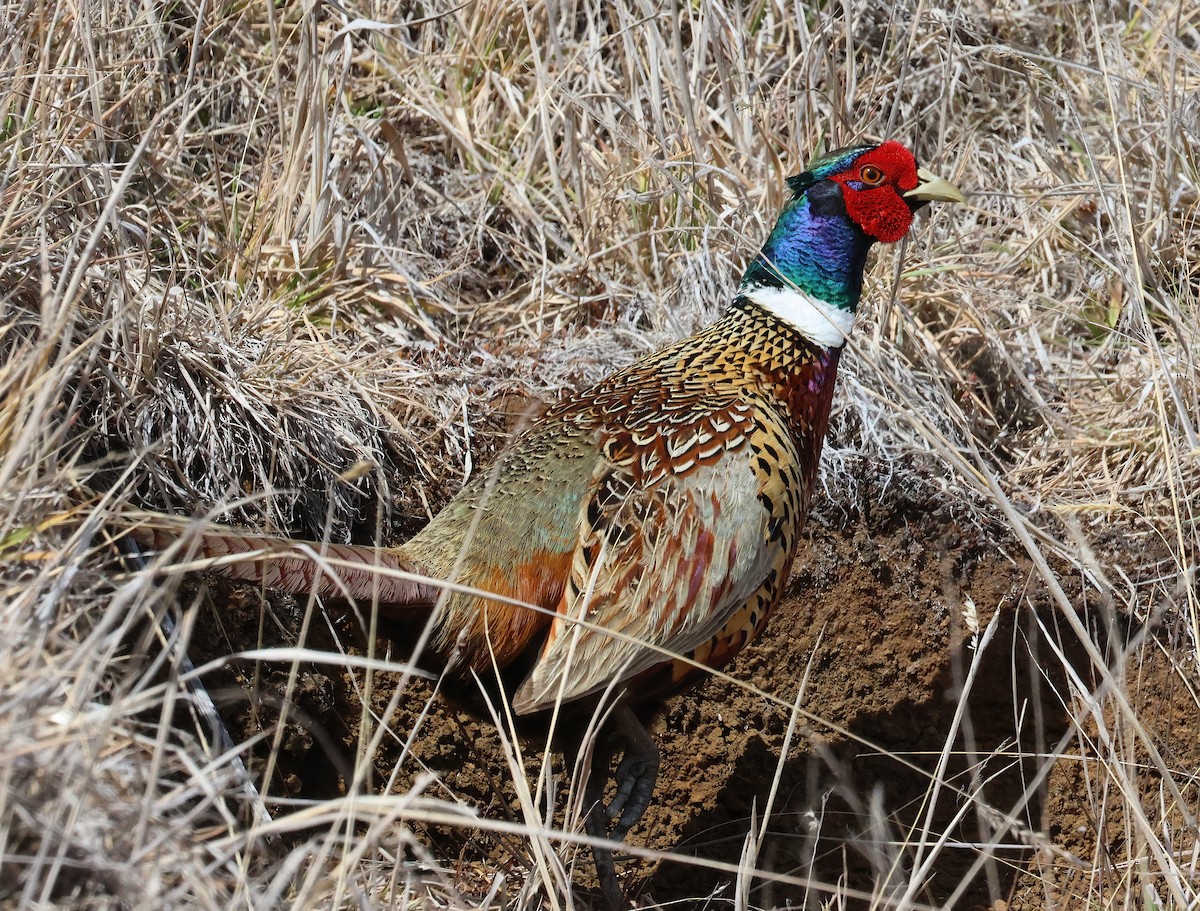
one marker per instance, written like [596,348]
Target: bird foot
[635,779]
[635,786]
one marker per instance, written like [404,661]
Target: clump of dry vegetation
[292,264]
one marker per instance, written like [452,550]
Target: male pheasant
[653,515]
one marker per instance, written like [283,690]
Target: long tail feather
[335,571]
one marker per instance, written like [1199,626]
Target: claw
[635,778]
[635,787]
[626,779]
[635,775]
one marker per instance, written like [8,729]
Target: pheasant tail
[335,571]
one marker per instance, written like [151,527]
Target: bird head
[841,205]
[881,187]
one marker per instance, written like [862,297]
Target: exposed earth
[875,631]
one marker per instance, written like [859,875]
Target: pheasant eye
[871,175]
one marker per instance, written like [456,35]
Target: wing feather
[662,560]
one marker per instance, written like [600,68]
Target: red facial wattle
[880,210]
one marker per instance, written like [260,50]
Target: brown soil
[1089,821]
[874,633]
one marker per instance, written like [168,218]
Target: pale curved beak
[934,189]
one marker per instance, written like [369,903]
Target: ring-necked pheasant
[654,514]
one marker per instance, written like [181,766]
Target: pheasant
[642,530]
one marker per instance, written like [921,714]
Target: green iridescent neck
[814,248]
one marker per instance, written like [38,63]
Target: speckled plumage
[652,516]
[671,493]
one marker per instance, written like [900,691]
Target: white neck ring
[818,321]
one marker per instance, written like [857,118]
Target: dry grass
[282,263]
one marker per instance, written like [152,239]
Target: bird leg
[635,778]
[595,823]
[635,775]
